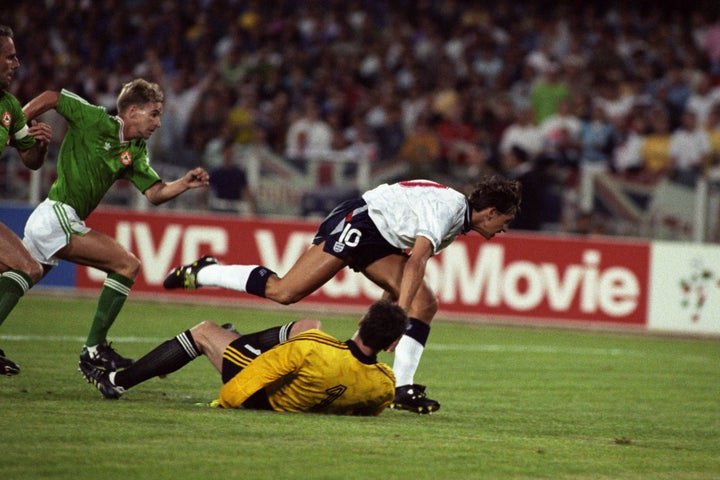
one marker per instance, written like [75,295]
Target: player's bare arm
[47,100]
[414,272]
[161,192]
[33,158]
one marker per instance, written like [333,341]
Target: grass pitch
[516,404]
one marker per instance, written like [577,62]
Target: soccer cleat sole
[420,410]
[9,371]
[185,276]
[108,393]
[175,279]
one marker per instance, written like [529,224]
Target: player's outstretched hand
[197,177]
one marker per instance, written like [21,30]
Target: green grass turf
[516,403]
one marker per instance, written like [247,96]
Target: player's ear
[129,112]
[487,213]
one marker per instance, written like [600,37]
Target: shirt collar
[468,216]
[121,135]
[355,350]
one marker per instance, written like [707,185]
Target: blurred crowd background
[293,104]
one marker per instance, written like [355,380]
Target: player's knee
[130,266]
[426,302]
[303,325]
[34,270]
[201,332]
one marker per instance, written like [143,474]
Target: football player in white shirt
[372,235]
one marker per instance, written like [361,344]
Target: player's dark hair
[496,191]
[383,323]
[139,92]
[5,31]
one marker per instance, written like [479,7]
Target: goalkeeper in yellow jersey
[292,368]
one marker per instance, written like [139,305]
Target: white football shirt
[405,210]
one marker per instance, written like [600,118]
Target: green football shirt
[94,155]
[13,125]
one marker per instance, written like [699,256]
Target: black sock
[167,357]
[257,280]
[418,330]
[267,339]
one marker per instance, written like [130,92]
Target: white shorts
[49,228]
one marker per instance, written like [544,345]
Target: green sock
[13,285]
[112,298]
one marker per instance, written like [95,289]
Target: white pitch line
[62,338]
[485,348]
[488,348]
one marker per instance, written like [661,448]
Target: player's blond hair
[139,92]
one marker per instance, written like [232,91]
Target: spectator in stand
[309,137]
[627,157]
[712,127]
[703,98]
[391,135]
[212,155]
[547,92]
[564,119]
[243,115]
[421,150]
[597,141]
[457,136]
[413,105]
[207,119]
[516,164]
[655,151]
[689,150]
[711,45]
[611,98]
[229,187]
[487,63]
[541,58]
[503,115]
[562,149]
[675,91]
[360,143]
[183,93]
[523,132]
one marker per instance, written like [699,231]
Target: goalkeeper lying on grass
[291,368]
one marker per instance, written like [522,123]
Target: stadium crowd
[547,92]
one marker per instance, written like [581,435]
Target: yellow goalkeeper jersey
[314,372]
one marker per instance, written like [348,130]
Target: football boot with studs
[185,276]
[101,380]
[413,398]
[105,357]
[7,366]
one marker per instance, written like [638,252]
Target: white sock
[233,277]
[407,358]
